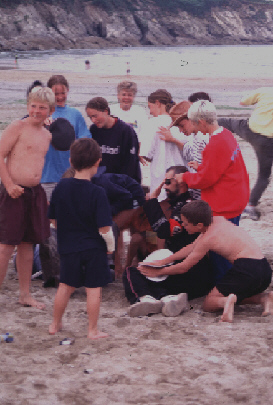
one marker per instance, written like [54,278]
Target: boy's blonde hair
[43,94]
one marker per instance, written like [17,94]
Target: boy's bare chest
[33,143]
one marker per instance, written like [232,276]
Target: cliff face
[48,26]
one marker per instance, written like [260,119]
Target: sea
[242,61]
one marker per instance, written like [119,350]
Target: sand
[191,359]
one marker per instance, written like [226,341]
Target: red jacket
[222,176]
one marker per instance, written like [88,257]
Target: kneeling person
[84,234]
[250,274]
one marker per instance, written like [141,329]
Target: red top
[222,176]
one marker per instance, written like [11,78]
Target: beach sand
[188,360]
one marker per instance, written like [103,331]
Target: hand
[15,191]
[157,191]
[143,161]
[155,263]
[150,271]
[165,134]
[48,120]
[193,164]
[179,178]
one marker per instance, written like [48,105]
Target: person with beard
[148,296]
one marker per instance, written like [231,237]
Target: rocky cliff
[49,25]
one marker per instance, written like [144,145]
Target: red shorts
[24,219]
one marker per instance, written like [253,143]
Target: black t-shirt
[80,208]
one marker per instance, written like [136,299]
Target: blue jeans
[219,263]
[263,147]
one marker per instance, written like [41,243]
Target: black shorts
[88,268]
[246,278]
[24,219]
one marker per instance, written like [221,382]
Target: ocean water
[249,61]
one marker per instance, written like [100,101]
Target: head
[171,186]
[200,95]
[40,103]
[196,216]
[179,116]
[60,87]
[35,84]
[98,111]
[84,154]
[160,101]
[203,115]
[126,94]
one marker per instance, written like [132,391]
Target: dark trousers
[263,147]
[197,282]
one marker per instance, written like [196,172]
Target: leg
[24,261]
[61,299]
[93,309]
[264,299]
[215,301]
[5,255]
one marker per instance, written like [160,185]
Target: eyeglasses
[169,181]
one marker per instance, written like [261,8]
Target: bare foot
[97,335]
[268,304]
[229,309]
[54,328]
[29,301]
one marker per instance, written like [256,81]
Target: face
[190,228]
[186,126]
[61,93]
[38,110]
[126,99]
[171,187]
[154,109]
[99,118]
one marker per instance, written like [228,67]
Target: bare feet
[29,301]
[96,335]
[54,328]
[229,309]
[268,304]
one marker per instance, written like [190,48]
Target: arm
[130,161]
[166,135]
[107,233]
[8,140]
[192,253]
[81,129]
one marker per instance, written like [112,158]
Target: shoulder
[14,129]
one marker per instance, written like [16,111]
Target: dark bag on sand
[50,260]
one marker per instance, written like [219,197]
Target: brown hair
[57,79]
[163,96]
[84,153]
[197,212]
[99,104]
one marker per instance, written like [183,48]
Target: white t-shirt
[136,116]
[162,154]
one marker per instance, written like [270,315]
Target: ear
[97,162]
[70,161]
[200,227]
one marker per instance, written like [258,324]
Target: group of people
[199,189]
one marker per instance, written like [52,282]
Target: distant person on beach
[118,140]
[57,162]
[126,110]
[222,176]
[84,234]
[258,131]
[87,64]
[161,154]
[249,275]
[23,203]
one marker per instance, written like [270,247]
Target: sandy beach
[188,360]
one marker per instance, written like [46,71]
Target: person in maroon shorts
[23,204]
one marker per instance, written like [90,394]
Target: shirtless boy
[250,274]
[23,204]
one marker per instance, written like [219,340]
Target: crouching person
[249,276]
[84,234]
